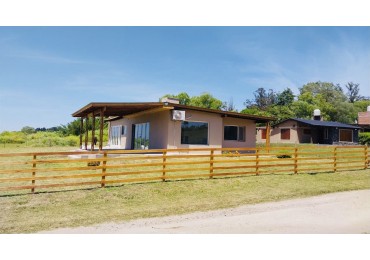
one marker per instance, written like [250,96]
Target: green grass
[74,207]
[44,211]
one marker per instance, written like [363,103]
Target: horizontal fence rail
[32,172]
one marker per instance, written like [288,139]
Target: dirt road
[344,212]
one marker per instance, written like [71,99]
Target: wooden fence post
[104,169]
[211,157]
[335,159]
[33,173]
[257,161]
[164,159]
[295,160]
[366,157]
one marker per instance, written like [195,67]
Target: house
[297,130]
[168,124]
[364,120]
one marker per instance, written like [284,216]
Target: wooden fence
[31,172]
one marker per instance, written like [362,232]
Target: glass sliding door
[140,136]
[115,136]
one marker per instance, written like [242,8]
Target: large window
[194,132]
[285,134]
[234,133]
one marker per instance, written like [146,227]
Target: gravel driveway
[343,212]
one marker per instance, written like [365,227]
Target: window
[345,135]
[234,133]
[124,130]
[326,133]
[285,134]
[194,132]
[263,133]
[307,131]
[115,135]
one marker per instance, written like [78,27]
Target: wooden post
[257,161]
[93,132]
[33,174]
[211,158]
[335,159]
[268,137]
[101,129]
[366,157]
[86,131]
[164,159]
[104,169]
[81,130]
[296,160]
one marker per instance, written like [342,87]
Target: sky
[47,73]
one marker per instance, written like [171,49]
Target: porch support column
[93,132]
[81,130]
[86,131]
[101,129]
[268,129]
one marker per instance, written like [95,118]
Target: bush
[364,138]
[281,156]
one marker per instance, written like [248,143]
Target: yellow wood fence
[42,171]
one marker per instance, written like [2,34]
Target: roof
[364,118]
[321,123]
[124,109]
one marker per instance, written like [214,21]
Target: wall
[250,132]
[275,132]
[158,129]
[215,127]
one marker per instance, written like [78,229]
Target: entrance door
[345,135]
[140,136]
[115,136]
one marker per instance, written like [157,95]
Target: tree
[206,100]
[285,98]
[327,90]
[28,130]
[183,97]
[262,99]
[229,106]
[353,91]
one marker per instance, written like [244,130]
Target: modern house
[297,130]
[168,124]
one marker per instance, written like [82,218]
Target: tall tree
[262,99]
[285,98]
[353,90]
[206,100]
[328,91]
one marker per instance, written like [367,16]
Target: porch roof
[124,109]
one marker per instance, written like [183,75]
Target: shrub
[364,138]
[281,156]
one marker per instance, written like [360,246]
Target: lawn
[74,207]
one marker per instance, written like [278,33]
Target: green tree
[28,130]
[183,98]
[327,90]
[353,91]
[285,98]
[206,100]
[262,99]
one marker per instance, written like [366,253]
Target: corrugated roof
[323,123]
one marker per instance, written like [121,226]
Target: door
[140,136]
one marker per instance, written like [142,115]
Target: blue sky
[47,73]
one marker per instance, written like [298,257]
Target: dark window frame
[238,136]
[185,138]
